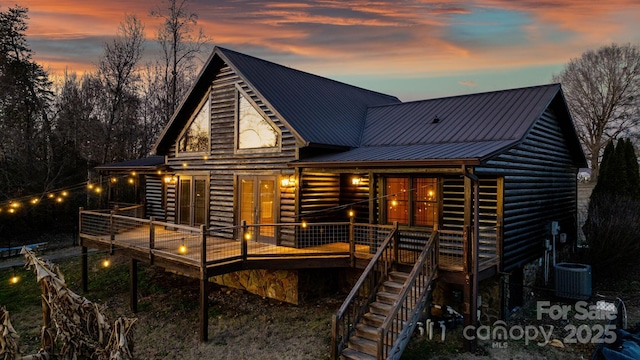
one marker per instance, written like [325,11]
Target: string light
[14,279]
[182,249]
[106,263]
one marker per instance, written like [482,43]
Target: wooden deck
[182,252]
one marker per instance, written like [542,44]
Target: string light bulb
[182,249]
[35,201]
[351,213]
[304,224]
[106,263]
[14,279]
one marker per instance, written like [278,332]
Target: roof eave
[386,163]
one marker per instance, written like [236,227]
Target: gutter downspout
[474,253]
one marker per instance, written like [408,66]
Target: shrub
[612,231]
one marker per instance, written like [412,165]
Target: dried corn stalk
[81,328]
[8,337]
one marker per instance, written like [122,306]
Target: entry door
[257,198]
[192,199]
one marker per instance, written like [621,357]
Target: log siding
[539,187]
[224,164]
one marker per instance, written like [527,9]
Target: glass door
[257,199]
[192,200]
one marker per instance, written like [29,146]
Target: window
[254,131]
[196,137]
[411,200]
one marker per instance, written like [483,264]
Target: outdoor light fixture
[14,278]
[356,180]
[170,179]
[288,181]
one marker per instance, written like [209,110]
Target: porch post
[204,289]
[243,235]
[152,239]
[396,243]
[352,243]
[112,232]
[133,285]
[472,206]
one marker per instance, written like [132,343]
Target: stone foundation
[291,286]
[279,285]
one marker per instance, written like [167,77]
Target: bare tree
[602,89]
[180,43]
[117,70]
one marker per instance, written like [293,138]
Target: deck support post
[84,263]
[204,288]
[133,285]
[204,309]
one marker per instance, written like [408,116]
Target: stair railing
[396,330]
[362,294]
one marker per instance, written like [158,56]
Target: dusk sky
[414,49]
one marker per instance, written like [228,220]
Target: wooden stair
[362,344]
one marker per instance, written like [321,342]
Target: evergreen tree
[633,170]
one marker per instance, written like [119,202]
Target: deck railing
[455,248]
[242,243]
[396,330]
[362,294]
[199,245]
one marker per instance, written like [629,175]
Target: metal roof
[466,127]
[320,110]
[465,152]
[149,163]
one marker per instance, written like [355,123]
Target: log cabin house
[266,167]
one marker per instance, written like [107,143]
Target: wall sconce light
[356,180]
[288,181]
[170,179]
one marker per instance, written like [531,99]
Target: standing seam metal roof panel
[321,110]
[494,116]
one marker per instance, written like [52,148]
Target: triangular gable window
[196,137]
[254,130]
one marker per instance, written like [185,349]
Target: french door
[192,200]
[257,202]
